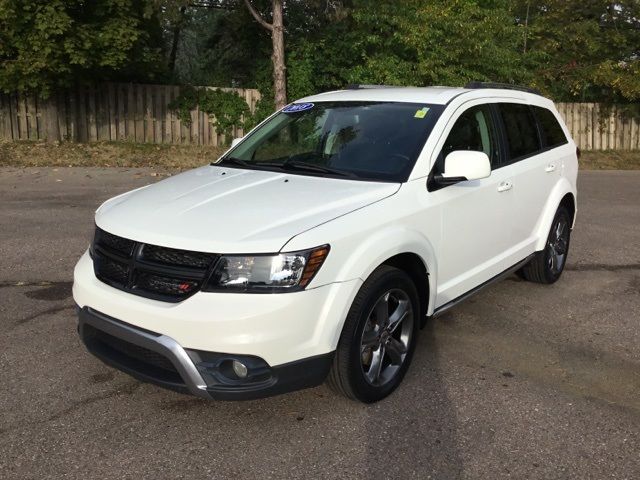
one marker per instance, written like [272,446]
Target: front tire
[378,338]
[547,265]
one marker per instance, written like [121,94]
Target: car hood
[230,210]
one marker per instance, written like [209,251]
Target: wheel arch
[562,194]
[569,202]
[414,266]
[414,254]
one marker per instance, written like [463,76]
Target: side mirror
[463,165]
[235,141]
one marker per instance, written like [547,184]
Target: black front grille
[171,256]
[110,270]
[171,286]
[120,245]
[151,271]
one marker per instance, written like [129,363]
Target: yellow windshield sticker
[421,113]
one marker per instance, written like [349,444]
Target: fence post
[112,112]
[5,117]
[49,120]
[61,115]
[148,114]
[157,114]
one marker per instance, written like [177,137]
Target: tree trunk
[176,41]
[279,69]
[277,57]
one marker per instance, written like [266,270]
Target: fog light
[240,369]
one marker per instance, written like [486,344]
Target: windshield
[357,140]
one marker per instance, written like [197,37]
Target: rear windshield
[357,140]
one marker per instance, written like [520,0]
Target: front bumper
[279,328]
[159,359]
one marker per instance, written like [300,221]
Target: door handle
[550,168]
[504,186]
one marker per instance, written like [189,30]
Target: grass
[106,154]
[181,157]
[610,160]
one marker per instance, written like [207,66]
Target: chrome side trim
[161,344]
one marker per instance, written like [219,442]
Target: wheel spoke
[396,350]
[561,247]
[376,365]
[370,339]
[398,315]
[562,226]
[553,254]
[382,311]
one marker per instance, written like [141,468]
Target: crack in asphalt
[592,267]
[33,283]
[19,283]
[128,388]
[48,311]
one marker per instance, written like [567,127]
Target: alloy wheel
[557,245]
[386,337]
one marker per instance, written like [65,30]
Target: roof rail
[362,86]
[505,86]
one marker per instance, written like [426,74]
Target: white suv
[317,246]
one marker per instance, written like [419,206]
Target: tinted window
[550,129]
[473,130]
[367,140]
[520,126]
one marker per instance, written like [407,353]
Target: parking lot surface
[521,381]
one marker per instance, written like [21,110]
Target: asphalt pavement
[521,381]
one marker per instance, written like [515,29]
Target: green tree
[52,44]
[586,50]
[412,43]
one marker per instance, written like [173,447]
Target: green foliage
[422,43]
[227,109]
[572,50]
[576,50]
[46,45]
[583,50]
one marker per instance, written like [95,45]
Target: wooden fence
[135,112]
[109,112]
[599,127]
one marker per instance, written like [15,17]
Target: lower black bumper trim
[300,374]
[158,359]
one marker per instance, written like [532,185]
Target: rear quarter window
[521,130]
[550,129]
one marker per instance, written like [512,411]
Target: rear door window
[520,128]
[550,129]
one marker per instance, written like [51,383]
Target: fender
[546,218]
[352,258]
[384,245]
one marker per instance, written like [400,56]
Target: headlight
[284,272]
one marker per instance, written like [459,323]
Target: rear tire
[547,265]
[378,338]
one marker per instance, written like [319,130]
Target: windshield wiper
[287,165]
[309,167]
[232,161]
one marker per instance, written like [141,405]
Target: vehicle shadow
[316,433]
[412,433]
[313,433]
